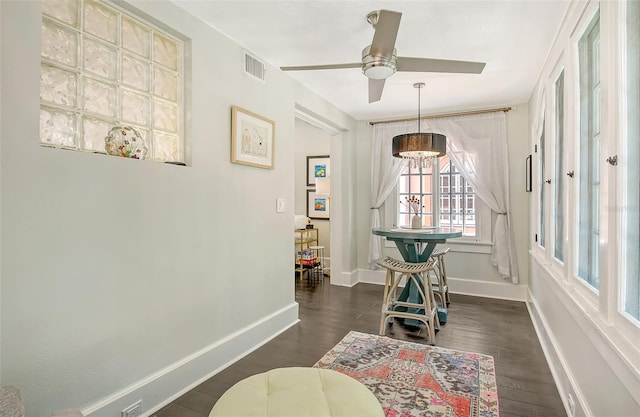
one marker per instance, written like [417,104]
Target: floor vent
[254,67]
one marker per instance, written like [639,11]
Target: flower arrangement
[413,203]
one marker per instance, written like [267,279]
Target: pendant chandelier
[421,149]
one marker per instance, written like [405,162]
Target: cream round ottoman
[298,392]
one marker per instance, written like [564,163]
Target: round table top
[426,233]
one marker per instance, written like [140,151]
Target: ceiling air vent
[253,66]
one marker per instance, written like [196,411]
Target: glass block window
[103,67]
[631,279]
[559,174]
[589,178]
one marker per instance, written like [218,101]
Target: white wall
[125,279]
[310,141]
[469,268]
[593,374]
[592,361]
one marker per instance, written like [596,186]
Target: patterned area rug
[414,380]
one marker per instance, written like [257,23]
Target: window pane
[427,201]
[135,37]
[445,205]
[542,186]
[631,302]
[455,199]
[427,220]
[559,171]
[58,86]
[135,73]
[409,185]
[100,59]
[427,181]
[63,10]
[57,127]
[470,225]
[100,21]
[59,44]
[589,181]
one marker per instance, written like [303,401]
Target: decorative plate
[125,141]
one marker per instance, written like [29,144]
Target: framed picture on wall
[252,139]
[317,206]
[317,167]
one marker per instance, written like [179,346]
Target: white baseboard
[491,289]
[503,290]
[372,276]
[167,384]
[344,279]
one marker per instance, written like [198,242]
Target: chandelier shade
[419,144]
[421,149]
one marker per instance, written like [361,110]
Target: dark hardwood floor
[498,328]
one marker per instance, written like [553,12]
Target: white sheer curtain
[478,147]
[385,171]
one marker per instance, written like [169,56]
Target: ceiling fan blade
[375,89]
[322,67]
[439,65]
[384,39]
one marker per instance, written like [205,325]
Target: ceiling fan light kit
[421,149]
[378,67]
[380,61]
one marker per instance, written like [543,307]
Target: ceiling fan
[379,60]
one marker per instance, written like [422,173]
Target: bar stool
[441,286]
[417,274]
[317,271]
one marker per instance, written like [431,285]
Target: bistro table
[415,245]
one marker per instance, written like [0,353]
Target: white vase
[416,222]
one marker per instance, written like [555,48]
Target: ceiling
[512,37]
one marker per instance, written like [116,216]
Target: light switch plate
[280,206]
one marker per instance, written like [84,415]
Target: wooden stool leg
[385,301]
[430,310]
[443,279]
[438,293]
[436,319]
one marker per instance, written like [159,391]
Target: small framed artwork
[317,167]
[252,139]
[527,174]
[317,206]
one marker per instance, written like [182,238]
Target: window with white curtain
[631,237]
[559,172]
[589,155]
[102,67]
[442,184]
